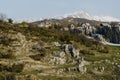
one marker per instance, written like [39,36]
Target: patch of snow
[112,44]
[104,42]
[88,16]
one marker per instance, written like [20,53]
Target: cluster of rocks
[70,50]
[57,60]
[59,54]
[85,29]
[108,30]
[112,33]
[56,44]
[60,57]
[100,68]
[102,32]
[81,65]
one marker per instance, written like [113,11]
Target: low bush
[7,55]
[86,52]
[17,68]
[38,56]
[14,68]
[3,67]
[103,49]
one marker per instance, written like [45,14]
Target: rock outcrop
[85,29]
[57,60]
[81,63]
[111,33]
[59,54]
[105,31]
[70,50]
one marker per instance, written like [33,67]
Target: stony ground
[33,54]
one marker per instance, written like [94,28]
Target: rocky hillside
[59,50]
[109,31]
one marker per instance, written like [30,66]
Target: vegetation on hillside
[15,60]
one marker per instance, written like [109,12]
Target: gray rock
[59,54]
[82,69]
[98,37]
[85,29]
[56,44]
[65,28]
[81,65]
[100,68]
[62,54]
[71,27]
[112,33]
[57,60]
[105,24]
[79,60]
[70,50]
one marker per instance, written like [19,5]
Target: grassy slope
[91,51]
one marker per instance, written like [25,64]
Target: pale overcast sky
[36,9]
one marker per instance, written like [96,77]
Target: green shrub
[2,77]
[16,68]
[3,67]
[86,52]
[7,55]
[7,77]
[10,77]
[5,40]
[10,20]
[103,49]
[65,38]
[38,56]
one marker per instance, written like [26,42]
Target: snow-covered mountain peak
[88,16]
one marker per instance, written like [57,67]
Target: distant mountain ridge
[88,16]
[108,27]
